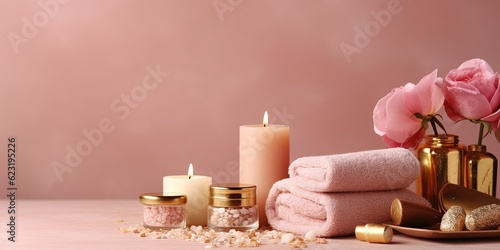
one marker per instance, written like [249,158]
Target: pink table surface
[93,224]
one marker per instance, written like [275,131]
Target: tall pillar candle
[196,188]
[264,158]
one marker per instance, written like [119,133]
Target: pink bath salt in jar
[233,206]
[164,210]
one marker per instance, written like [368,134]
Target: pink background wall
[73,61]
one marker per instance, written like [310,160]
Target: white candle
[196,188]
[264,158]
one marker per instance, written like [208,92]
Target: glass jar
[480,170]
[441,161]
[233,206]
[164,210]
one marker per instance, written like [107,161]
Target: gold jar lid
[476,148]
[163,199]
[441,140]
[232,195]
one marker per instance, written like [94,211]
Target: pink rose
[394,115]
[471,92]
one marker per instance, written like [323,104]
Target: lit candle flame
[266,119]
[190,171]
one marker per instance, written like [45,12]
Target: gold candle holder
[441,161]
[480,171]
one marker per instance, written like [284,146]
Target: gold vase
[480,171]
[441,161]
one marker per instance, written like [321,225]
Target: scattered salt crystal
[233,238]
[310,235]
[320,241]
[287,238]
[211,234]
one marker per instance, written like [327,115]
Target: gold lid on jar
[441,140]
[232,195]
[163,199]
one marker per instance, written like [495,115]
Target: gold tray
[433,232]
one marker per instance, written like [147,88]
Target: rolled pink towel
[381,169]
[292,209]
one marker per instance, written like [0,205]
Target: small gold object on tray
[469,199]
[433,232]
[405,213]
[449,195]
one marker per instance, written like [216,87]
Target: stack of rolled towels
[332,194]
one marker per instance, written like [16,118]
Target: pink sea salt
[164,216]
[164,210]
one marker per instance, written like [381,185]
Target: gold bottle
[480,171]
[441,161]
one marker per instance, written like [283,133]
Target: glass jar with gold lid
[233,206]
[164,210]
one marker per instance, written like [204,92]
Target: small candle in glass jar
[164,210]
[233,206]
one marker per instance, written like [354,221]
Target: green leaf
[418,115]
[439,115]
[487,125]
[440,124]
[425,123]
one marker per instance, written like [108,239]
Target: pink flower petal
[495,99]
[411,142]
[450,112]
[477,63]
[401,122]
[380,113]
[493,118]
[466,100]
[426,98]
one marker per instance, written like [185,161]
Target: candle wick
[189,177]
